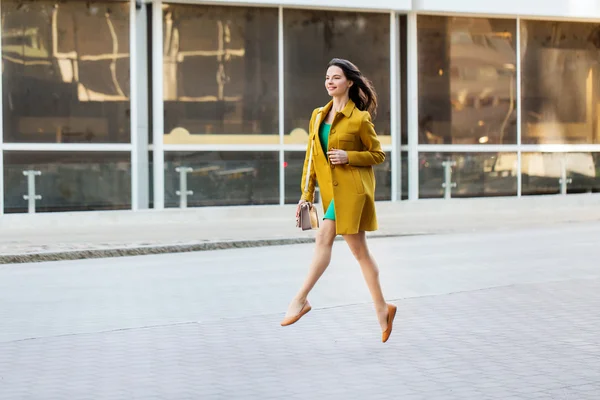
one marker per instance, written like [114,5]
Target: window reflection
[542,172]
[560,82]
[220,75]
[294,163]
[475,174]
[467,81]
[312,39]
[221,178]
[65,70]
[69,181]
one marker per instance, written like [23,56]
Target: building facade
[154,104]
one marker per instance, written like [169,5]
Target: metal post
[564,181]
[31,196]
[395,107]
[519,115]
[281,71]
[139,115]
[448,184]
[1,132]
[158,121]
[183,192]
[412,76]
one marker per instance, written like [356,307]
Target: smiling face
[336,82]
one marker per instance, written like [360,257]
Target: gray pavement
[510,314]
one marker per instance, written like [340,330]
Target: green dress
[324,138]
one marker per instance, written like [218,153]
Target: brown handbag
[308,217]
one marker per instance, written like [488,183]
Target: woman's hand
[298,207]
[337,156]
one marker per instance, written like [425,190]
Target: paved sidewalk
[504,315]
[59,236]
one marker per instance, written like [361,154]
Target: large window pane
[220,75]
[294,163]
[312,39]
[69,181]
[220,178]
[475,174]
[65,71]
[467,81]
[542,172]
[560,82]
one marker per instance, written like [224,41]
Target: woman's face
[336,82]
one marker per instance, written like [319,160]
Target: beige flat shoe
[391,315]
[290,320]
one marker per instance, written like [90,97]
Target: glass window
[560,82]
[219,178]
[542,173]
[475,174]
[294,163]
[65,72]
[220,75]
[312,38]
[404,174]
[467,80]
[69,181]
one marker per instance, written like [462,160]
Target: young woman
[345,148]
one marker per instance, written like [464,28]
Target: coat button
[334,183]
[332,166]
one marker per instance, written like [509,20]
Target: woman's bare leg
[358,246]
[320,262]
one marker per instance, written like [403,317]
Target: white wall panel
[576,9]
[375,5]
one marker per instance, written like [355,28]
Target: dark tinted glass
[542,172]
[475,174]
[220,75]
[467,80]
[65,71]
[560,82]
[220,178]
[311,40]
[69,181]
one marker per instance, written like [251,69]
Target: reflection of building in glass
[220,74]
[67,59]
[470,103]
[467,81]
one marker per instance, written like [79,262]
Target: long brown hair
[362,92]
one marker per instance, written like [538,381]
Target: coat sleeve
[372,154]
[308,195]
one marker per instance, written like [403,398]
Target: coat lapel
[318,119]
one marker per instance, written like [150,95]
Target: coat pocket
[346,141]
[358,183]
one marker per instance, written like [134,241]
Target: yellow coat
[351,185]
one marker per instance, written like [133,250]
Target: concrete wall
[577,9]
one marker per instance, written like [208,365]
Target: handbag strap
[312,144]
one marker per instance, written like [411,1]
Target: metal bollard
[564,181]
[448,184]
[183,192]
[31,196]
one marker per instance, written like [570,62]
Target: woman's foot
[296,310]
[390,319]
[382,316]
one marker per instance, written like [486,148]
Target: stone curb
[164,249]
